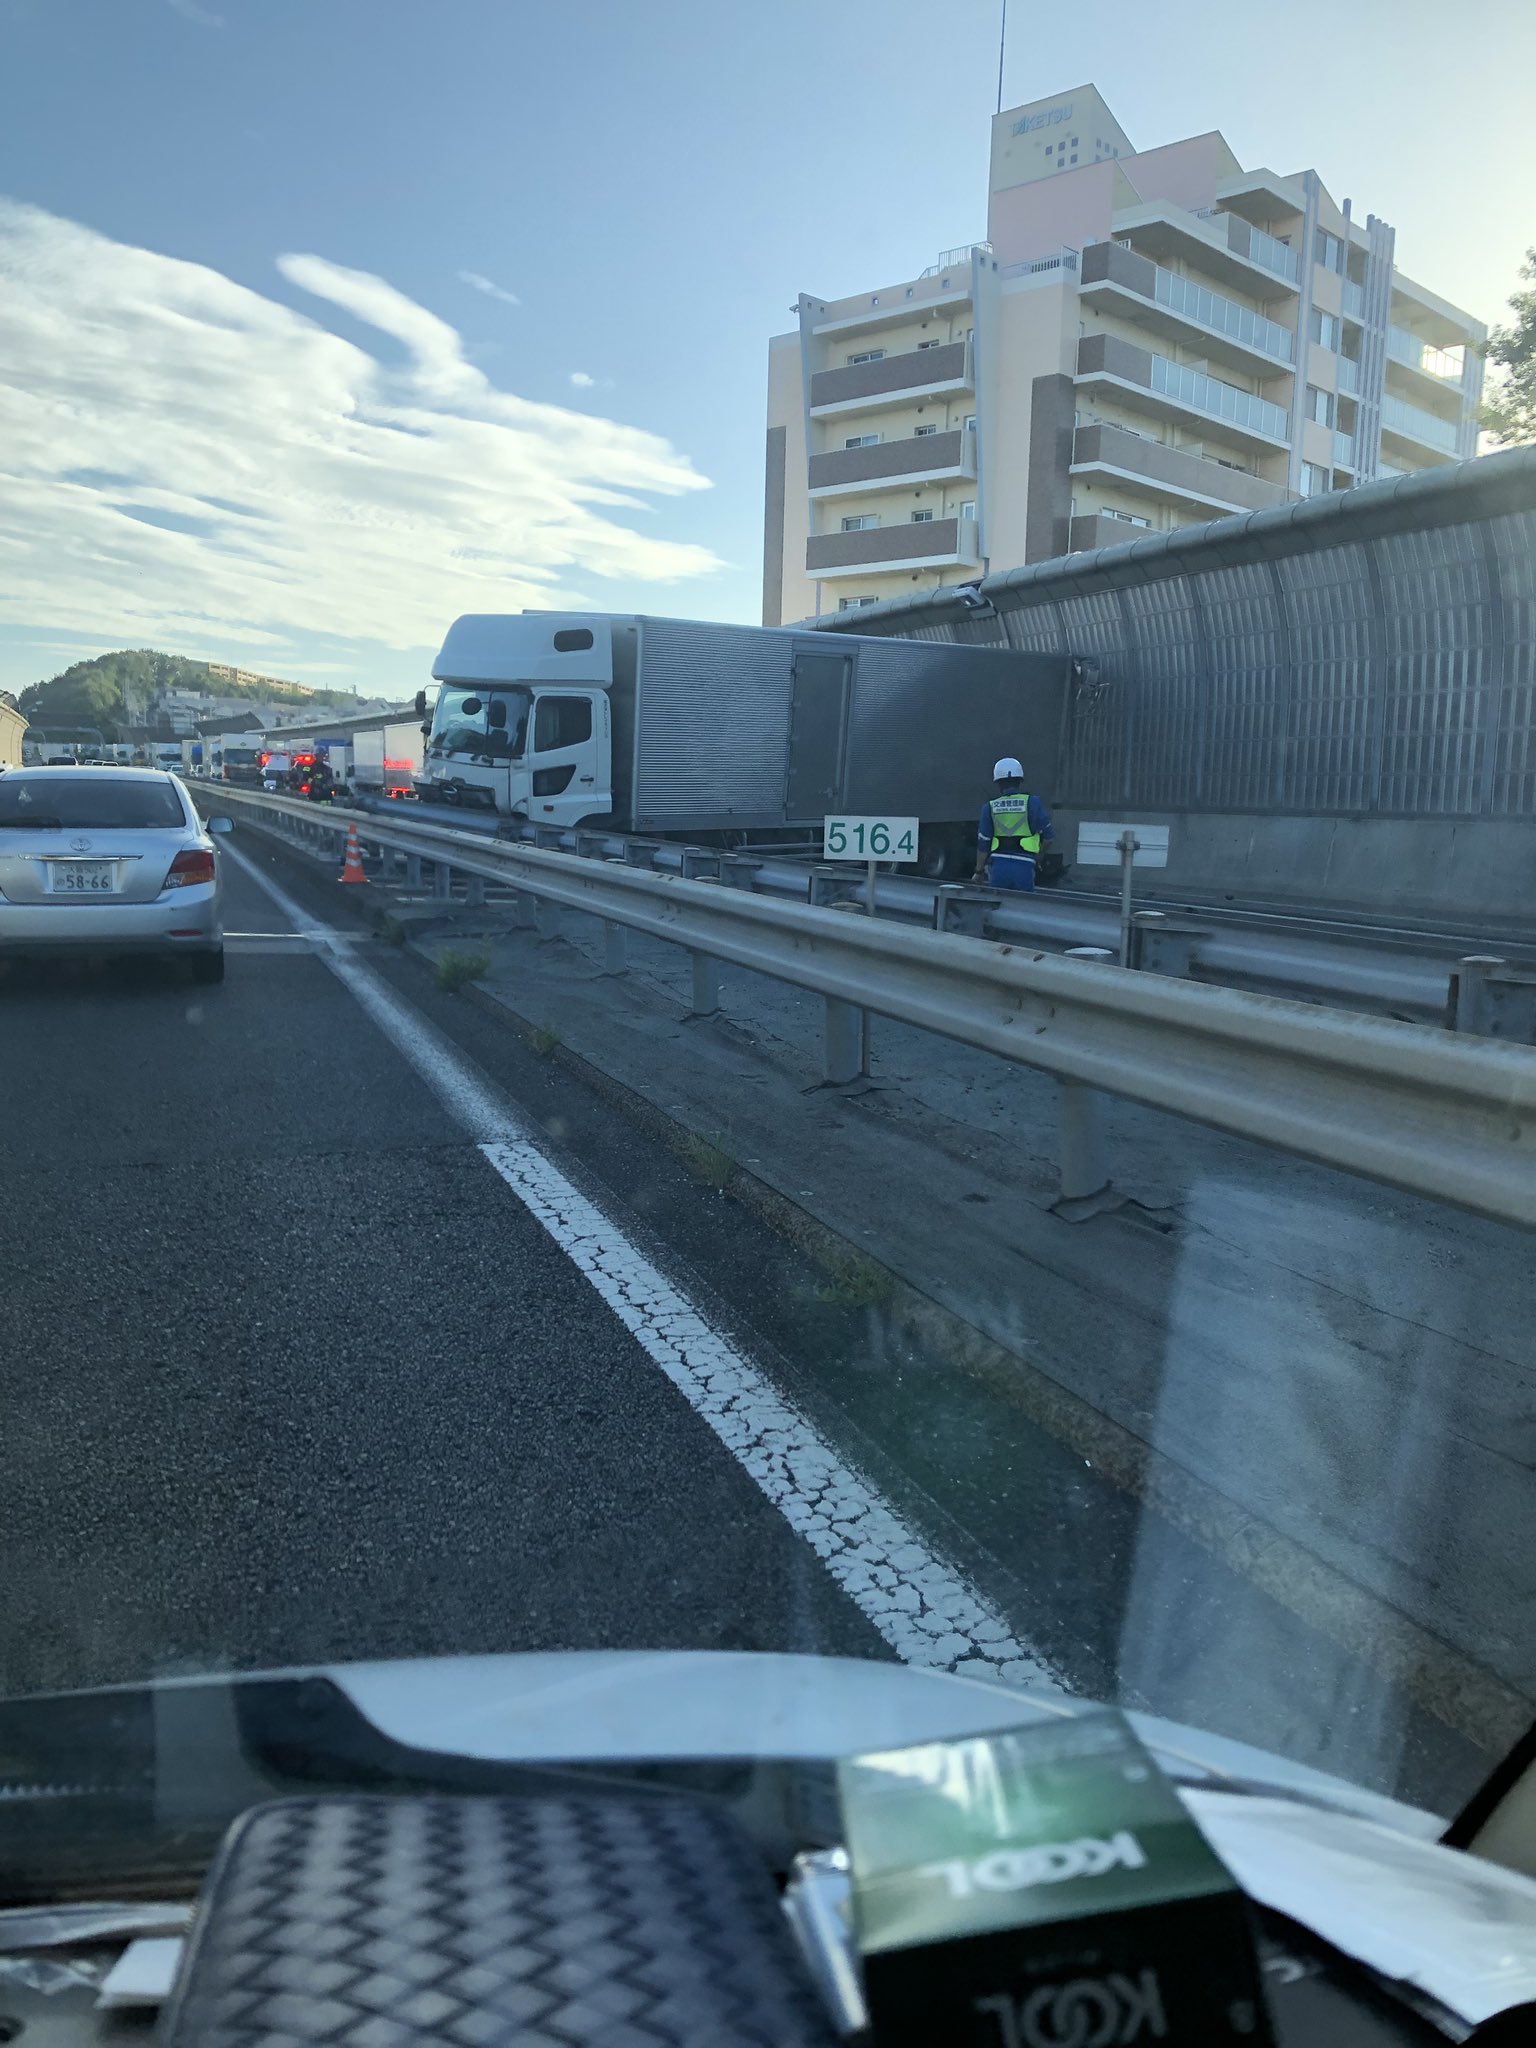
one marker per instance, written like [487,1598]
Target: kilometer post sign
[870,840]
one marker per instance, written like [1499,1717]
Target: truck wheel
[939,854]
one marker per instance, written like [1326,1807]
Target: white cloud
[478,283]
[193,10]
[185,463]
[582,381]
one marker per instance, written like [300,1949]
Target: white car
[108,861]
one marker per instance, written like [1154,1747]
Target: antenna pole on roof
[1002,43]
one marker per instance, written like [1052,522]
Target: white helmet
[1005,769]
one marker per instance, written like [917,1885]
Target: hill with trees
[113,690]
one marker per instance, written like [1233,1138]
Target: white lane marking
[926,1610]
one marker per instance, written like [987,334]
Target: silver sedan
[108,861]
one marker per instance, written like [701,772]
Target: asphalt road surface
[308,1358]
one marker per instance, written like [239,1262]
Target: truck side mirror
[421,703]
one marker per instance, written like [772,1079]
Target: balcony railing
[1354,299]
[881,548]
[1343,450]
[1247,240]
[1443,364]
[1221,401]
[1349,376]
[1173,475]
[1399,417]
[918,369]
[896,462]
[1212,309]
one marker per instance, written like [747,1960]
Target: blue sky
[252,406]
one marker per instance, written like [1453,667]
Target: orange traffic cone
[352,866]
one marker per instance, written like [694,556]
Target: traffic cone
[352,866]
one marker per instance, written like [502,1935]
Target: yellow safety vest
[1010,821]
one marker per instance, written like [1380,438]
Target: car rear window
[97,800]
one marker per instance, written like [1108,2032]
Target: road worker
[1014,826]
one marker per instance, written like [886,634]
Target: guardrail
[1415,1108]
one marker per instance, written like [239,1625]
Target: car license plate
[82,877]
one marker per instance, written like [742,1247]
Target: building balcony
[913,459]
[1222,246]
[883,550]
[1178,307]
[1413,423]
[1165,389]
[1440,369]
[1103,530]
[1354,299]
[1343,449]
[1171,476]
[1349,376]
[916,373]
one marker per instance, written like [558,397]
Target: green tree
[1509,412]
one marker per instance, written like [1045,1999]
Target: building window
[930,344]
[862,441]
[1320,406]
[1314,480]
[861,522]
[1325,328]
[855,604]
[918,433]
[867,355]
[968,509]
[970,423]
[1328,250]
[922,518]
[1125,518]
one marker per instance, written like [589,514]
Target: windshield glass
[944,1078]
[103,799]
[480,719]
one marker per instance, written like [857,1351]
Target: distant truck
[729,734]
[387,759]
[236,759]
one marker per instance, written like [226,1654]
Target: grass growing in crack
[543,1040]
[455,968]
[391,930]
[706,1160]
[857,1282]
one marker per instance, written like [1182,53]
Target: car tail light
[190,867]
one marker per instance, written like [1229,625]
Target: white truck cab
[523,722]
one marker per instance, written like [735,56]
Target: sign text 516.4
[869,839]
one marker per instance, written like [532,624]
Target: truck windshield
[476,720]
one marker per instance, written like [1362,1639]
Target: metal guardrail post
[844,1055]
[592,845]
[830,886]
[640,853]
[615,948]
[524,910]
[413,871]
[474,892]
[550,837]
[706,985]
[1493,998]
[701,864]
[1163,944]
[960,907]
[546,918]
[739,870]
[1084,1145]
[442,881]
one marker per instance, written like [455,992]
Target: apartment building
[1146,339]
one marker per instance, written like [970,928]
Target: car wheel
[208,967]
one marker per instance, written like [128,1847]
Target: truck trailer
[387,759]
[731,734]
